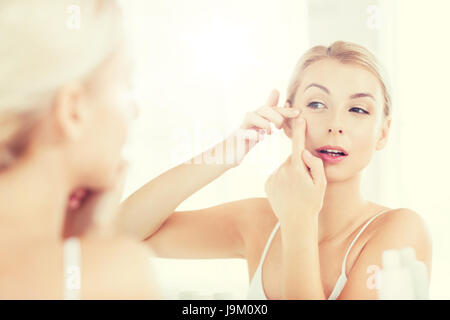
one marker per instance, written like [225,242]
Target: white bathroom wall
[424,69]
[202,64]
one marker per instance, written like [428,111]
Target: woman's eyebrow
[362,95]
[353,96]
[317,86]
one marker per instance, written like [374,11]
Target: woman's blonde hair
[344,52]
[44,45]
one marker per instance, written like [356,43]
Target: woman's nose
[335,125]
[334,129]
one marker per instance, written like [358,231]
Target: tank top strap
[72,269]
[356,238]
[269,241]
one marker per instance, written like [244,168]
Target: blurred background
[201,65]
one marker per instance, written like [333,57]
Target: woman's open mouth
[331,154]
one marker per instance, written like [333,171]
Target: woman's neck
[343,209]
[33,197]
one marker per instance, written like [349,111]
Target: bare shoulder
[30,269]
[117,268]
[402,221]
[394,229]
[111,268]
[403,227]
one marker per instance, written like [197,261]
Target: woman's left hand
[297,187]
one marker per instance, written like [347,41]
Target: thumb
[316,168]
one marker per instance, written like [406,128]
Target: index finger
[298,139]
[272,100]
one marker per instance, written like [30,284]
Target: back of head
[46,44]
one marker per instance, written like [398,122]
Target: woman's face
[111,105]
[343,106]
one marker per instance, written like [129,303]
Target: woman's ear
[70,111]
[382,140]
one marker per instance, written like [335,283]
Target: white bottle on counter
[396,281]
[418,271]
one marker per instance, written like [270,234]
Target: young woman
[314,236]
[64,110]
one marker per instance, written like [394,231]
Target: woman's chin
[104,180]
[333,174]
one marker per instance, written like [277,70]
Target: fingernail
[295,111]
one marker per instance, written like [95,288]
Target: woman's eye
[315,104]
[359,110]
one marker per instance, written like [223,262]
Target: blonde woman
[64,113]
[314,236]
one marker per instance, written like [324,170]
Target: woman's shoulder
[112,267]
[119,263]
[401,220]
[30,269]
[402,227]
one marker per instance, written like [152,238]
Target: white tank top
[256,289]
[72,269]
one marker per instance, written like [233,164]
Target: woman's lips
[329,158]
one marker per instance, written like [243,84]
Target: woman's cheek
[313,133]
[365,132]
[120,102]
[313,125]
[362,146]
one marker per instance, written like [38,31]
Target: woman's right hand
[257,123]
